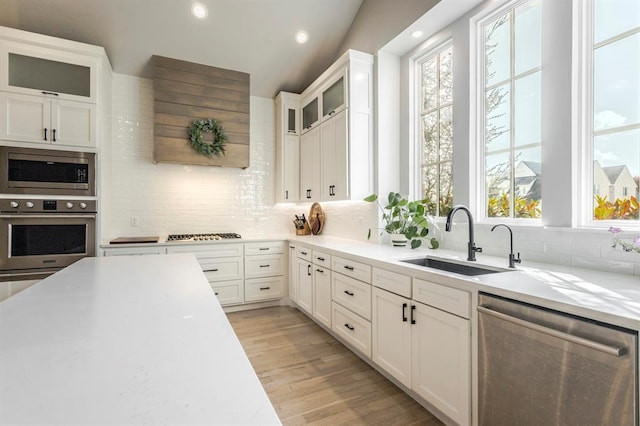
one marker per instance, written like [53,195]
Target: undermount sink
[457,268]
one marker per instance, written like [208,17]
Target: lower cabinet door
[352,328]
[228,292]
[305,286]
[322,295]
[441,361]
[391,336]
[257,289]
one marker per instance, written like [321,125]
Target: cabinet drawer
[322,259]
[442,297]
[134,251]
[258,289]
[268,247]
[351,294]
[304,253]
[226,268]
[357,270]
[353,329]
[229,292]
[210,250]
[264,266]
[391,281]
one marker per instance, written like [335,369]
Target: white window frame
[583,132]
[434,49]
[477,94]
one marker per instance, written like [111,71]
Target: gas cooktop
[203,237]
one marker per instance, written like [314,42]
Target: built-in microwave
[46,172]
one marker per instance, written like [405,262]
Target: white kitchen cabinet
[352,328]
[135,251]
[322,294]
[391,334]
[264,269]
[310,111]
[260,289]
[334,94]
[441,359]
[305,285]
[310,165]
[30,68]
[334,171]
[40,119]
[353,294]
[287,147]
[293,275]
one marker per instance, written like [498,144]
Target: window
[614,129]
[435,71]
[511,112]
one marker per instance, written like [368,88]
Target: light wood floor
[311,378]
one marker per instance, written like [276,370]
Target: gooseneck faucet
[471,246]
[512,258]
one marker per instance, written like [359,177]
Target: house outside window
[613,92]
[435,71]
[511,146]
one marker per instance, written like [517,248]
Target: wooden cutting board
[134,240]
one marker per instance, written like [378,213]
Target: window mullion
[512,109]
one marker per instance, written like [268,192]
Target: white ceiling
[252,36]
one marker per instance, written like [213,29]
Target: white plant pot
[398,240]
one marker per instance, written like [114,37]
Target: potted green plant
[405,219]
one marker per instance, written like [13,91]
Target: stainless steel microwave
[47,172]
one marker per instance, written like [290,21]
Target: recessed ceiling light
[199,10]
[302,37]
[416,34]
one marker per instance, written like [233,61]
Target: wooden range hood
[184,92]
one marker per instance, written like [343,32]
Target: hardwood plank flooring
[311,378]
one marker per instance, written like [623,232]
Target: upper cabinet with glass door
[310,112]
[334,95]
[35,70]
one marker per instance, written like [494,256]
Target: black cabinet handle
[321,259]
[332,112]
[308,193]
[53,133]
[349,268]
[404,312]
[413,308]
[309,270]
[265,288]
[350,293]
[45,133]
[216,293]
[304,253]
[332,190]
[263,248]
[264,266]
[214,270]
[320,270]
[50,93]
[286,195]
[349,327]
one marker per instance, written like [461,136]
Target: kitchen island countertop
[132,339]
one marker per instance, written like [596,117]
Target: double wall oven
[47,211]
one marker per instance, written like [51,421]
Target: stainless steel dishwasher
[541,367]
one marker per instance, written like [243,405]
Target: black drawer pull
[320,270]
[264,266]
[45,133]
[53,134]
[49,93]
[350,327]
[213,270]
[413,308]
[404,312]
[216,293]
[263,248]
[350,293]
[321,259]
[349,268]
[304,253]
[265,288]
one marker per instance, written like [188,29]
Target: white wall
[172,198]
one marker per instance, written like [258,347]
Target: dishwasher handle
[611,350]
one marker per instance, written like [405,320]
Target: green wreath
[209,125]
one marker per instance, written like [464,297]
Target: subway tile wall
[167,199]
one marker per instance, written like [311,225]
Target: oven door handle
[47,216]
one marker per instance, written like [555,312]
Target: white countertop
[603,296]
[117,340]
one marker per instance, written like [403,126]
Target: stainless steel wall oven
[39,237]
[46,172]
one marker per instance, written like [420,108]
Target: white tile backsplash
[173,198]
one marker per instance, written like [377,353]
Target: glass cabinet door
[291,120]
[333,97]
[49,76]
[310,114]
